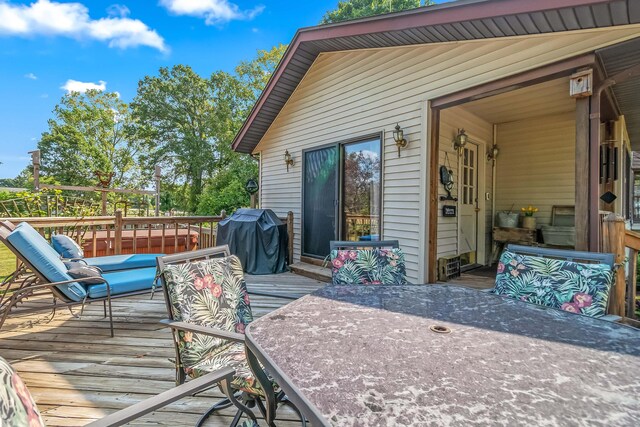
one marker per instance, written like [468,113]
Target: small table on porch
[373,356]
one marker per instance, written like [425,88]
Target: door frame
[481,188]
[340,184]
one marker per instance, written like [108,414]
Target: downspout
[493,181]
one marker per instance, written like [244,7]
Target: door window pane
[361,191]
[320,198]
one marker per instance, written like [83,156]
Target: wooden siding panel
[356,93]
[536,165]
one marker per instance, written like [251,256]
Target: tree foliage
[90,132]
[353,9]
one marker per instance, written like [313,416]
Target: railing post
[632,284]
[290,233]
[118,233]
[223,214]
[616,245]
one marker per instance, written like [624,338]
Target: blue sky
[49,45]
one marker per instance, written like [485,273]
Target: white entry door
[468,204]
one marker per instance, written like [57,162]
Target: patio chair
[208,307]
[574,281]
[49,274]
[17,407]
[367,263]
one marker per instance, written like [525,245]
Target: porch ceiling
[543,99]
[616,59]
[454,21]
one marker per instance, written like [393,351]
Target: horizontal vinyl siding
[536,164]
[350,94]
[478,130]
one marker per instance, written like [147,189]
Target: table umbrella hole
[440,329]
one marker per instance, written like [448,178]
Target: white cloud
[213,11]
[45,17]
[82,87]
[31,76]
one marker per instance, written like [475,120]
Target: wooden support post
[118,233]
[35,160]
[290,233]
[615,244]
[103,195]
[434,153]
[582,175]
[632,284]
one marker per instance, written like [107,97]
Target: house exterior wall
[349,94]
[536,164]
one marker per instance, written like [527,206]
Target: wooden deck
[77,373]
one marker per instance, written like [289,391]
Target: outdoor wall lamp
[288,160]
[398,137]
[493,153]
[460,140]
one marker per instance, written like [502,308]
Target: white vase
[529,222]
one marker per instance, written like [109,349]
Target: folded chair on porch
[367,263]
[49,275]
[208,307]
[574,281]
[18,409]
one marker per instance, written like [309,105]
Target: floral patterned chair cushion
[368,267]
[211,293]
[566,285]
[17,407]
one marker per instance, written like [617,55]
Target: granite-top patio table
[444,355]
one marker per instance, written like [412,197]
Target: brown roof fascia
[432,15]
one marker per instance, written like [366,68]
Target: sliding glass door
[341,195]
[361,190]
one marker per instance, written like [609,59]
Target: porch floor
[77,373]
[479,278]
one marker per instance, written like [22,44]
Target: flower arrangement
[529,210]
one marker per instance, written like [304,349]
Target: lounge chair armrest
[188,327]
[274,295]
[31,288]
[163,399]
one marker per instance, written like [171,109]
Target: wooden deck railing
[115,235]
[625,245]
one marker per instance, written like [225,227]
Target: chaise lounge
[116,277]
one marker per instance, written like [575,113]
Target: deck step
[316,272]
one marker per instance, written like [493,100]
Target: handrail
[116,229]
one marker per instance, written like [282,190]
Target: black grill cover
[258,238]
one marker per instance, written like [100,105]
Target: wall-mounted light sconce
[460,140]
[398,137]
[288,160]
[493,153]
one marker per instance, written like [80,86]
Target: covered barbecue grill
[258,237]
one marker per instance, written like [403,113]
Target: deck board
[77,373]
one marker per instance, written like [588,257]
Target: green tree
[90,132]
[188,120]
[353,9]
[255,74]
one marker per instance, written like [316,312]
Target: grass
[7,262]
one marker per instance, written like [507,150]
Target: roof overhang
[456,21]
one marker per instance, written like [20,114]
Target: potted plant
[528,220]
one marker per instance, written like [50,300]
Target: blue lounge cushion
[35,249]
[121,282]
[123,262]
[66,246]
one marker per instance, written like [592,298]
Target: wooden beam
[434,151]
[582,174]
[518,81]
[106,190]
